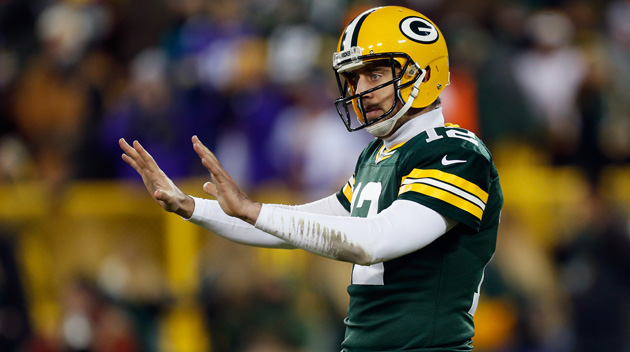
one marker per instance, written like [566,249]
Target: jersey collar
[413,127]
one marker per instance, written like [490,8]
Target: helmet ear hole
[427,76]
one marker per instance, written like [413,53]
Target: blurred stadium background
[88,262]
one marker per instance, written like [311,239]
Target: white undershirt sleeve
[402,228]
[326,206]
[209,215]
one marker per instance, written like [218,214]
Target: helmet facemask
[405,74]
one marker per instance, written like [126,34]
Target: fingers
[209,160]
[138,157]
[211,166]
[145,157]
[203,151]
[131,162]
[131,156]
[210,189]
[124,145]
[129,150]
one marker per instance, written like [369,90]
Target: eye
[375,76]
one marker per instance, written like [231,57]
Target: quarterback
[419,216]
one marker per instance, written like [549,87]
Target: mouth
[372,112]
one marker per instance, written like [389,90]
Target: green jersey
[425,300]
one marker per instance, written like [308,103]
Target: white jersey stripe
[447,187]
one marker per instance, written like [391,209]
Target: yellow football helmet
[411,43]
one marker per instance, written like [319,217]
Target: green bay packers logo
[419,30]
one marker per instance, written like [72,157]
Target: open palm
[159,185]
[230,196]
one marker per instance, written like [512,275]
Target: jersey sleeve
[345,194]
[451,179]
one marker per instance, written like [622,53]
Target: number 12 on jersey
[368,274]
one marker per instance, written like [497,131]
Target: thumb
[210,188]
[161,195]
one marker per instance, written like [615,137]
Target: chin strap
[385,127]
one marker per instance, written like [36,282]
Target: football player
[419,216]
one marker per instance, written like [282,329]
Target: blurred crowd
[253,79]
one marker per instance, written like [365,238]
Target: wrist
[253,212]
[187,207]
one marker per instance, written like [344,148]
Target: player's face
[378,102]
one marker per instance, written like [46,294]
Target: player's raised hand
[232,199]
[159,185]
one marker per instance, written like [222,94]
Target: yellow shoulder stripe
[347,189]
[444,196]
[450,179]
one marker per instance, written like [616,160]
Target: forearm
[401,229]
[326,206]
[209,215]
